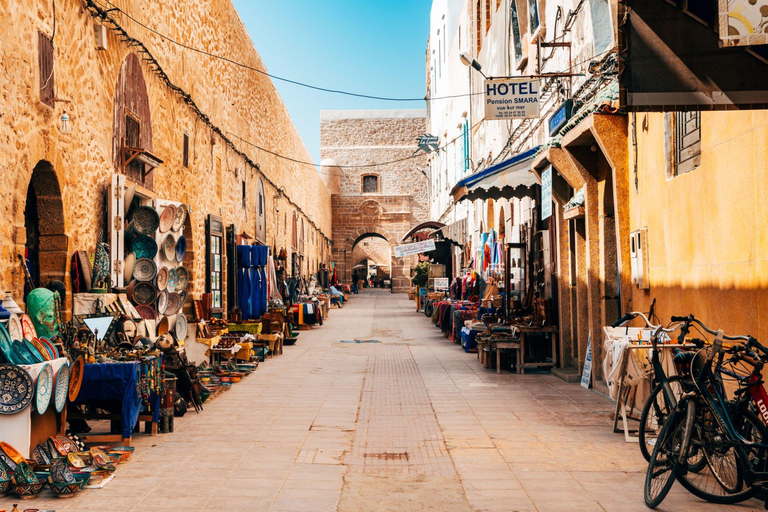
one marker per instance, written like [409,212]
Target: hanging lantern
[64,125]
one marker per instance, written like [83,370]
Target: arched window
[261,214]
[370,184]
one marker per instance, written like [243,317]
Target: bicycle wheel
[723,480]
[655,411]
[662,468]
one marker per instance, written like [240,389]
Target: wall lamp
[470,62]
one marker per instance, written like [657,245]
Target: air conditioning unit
[638,250]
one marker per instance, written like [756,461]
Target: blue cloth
[244,279]
[256,284]
[116,381]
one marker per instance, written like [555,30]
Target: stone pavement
[411,423]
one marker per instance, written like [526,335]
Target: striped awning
[511,178]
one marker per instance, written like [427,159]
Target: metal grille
[370,184]
[687,141]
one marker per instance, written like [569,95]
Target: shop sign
[511,98]
[560,117]
[586,374]
[415,248]
[441,284]
[546,193]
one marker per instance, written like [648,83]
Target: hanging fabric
[244,279]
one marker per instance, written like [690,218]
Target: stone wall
[383,143]
[242,103]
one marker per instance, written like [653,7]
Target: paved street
[411,423]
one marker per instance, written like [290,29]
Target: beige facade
[215,105]
[382,201]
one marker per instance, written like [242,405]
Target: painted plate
[75,460]
[181,328]
[182,278]
[144,247]
[180,217]
[61,473]
[44,389]
[75,378]
[21,353]
[51,347]
[166,218]
[42,349]
[144,293]
[7,463]
[162,278]
[99,457]
[174,304]
[14,327]
[144,269]
[66,443]
[162,301]
[27,328]
[33,352]
[145,220]
[16,389]
[173,277]
[12,453]
[40,456]
[146,312]
[6,346]
[181,248]
[61,388]
[169,247]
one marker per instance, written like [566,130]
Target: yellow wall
[707,229]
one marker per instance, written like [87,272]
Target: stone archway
[398,266]
[46,242]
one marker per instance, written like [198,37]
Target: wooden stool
[508,345]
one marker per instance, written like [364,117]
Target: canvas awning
[511,178]
[456,232]
[431,224]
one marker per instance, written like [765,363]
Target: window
[370,184]
[517,38]
[533,16]
[185,150]
[243,182]
[215,228]
[479,25]
[133,140]
[45,62]
[682,142]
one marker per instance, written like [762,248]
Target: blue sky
[368,46]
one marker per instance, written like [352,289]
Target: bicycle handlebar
[691,319]
[635,314]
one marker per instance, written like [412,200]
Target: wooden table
[508,344]
[525,330]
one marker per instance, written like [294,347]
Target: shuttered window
[45,62]
[687,141]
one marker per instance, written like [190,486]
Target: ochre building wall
[241,102]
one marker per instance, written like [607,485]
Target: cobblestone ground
[411,423]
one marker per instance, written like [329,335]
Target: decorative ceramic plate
[33,351]
[162,278]
[50,447]
[27,328]
[144,247]
[180,217]
[21,353]
[166,218]
[6,346]
[169,247]
[181,248]
[61,388]
[145,220]
[66,444]
[173,277]
[162,302]
[144,269]
[99,457]
[181,328]
[24,473]
[61,473]
[75,378]
[51,347]
[144,293]
[42,349]
[128,263]
[40,456]
[146,312]
[16,389]
[174,304]
[12,453]
[182,278]
[14,327]
[75,460]
[183,297]
[44,388]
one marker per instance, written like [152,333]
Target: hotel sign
[511,98]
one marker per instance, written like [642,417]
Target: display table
[508,344]
[109,383]
[524,331]
[274,343]
[27,428]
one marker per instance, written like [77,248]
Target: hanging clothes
[244,279]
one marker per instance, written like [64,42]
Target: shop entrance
[46,246]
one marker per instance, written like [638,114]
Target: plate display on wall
[145,221]
[183,297]
[21,353]
[144,269]
[181,248]
[182,278]
[51,347]
[61,388]
[14,327]
[162,302]
[17,389]
[144,293]
[27,327]
[44,389]
[169,247]
[162,278]
[146,312]
[41,348]
[174,304]
[172,279]
[166,218]
[75,378]
[144,247]
[181,216]
[181,328]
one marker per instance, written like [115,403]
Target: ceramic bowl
[162,278]
[181,216]
[235,379]
[145,221]
[174,304]
[28,491]
[162,326]
[144,247]
[144,269]
[182,278]
[82,478]
[65,490]
[181,248]
[146,312]
[166,218]
[225,379]
[169,247]
[130,192]
[144,293]
[205,379]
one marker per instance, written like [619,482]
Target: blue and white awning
[511,178]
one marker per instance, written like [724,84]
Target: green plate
[6,345]
[33,352]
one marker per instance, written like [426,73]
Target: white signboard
[415,248]
[441,284]
[586,375]
[511,98]
[546,193]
